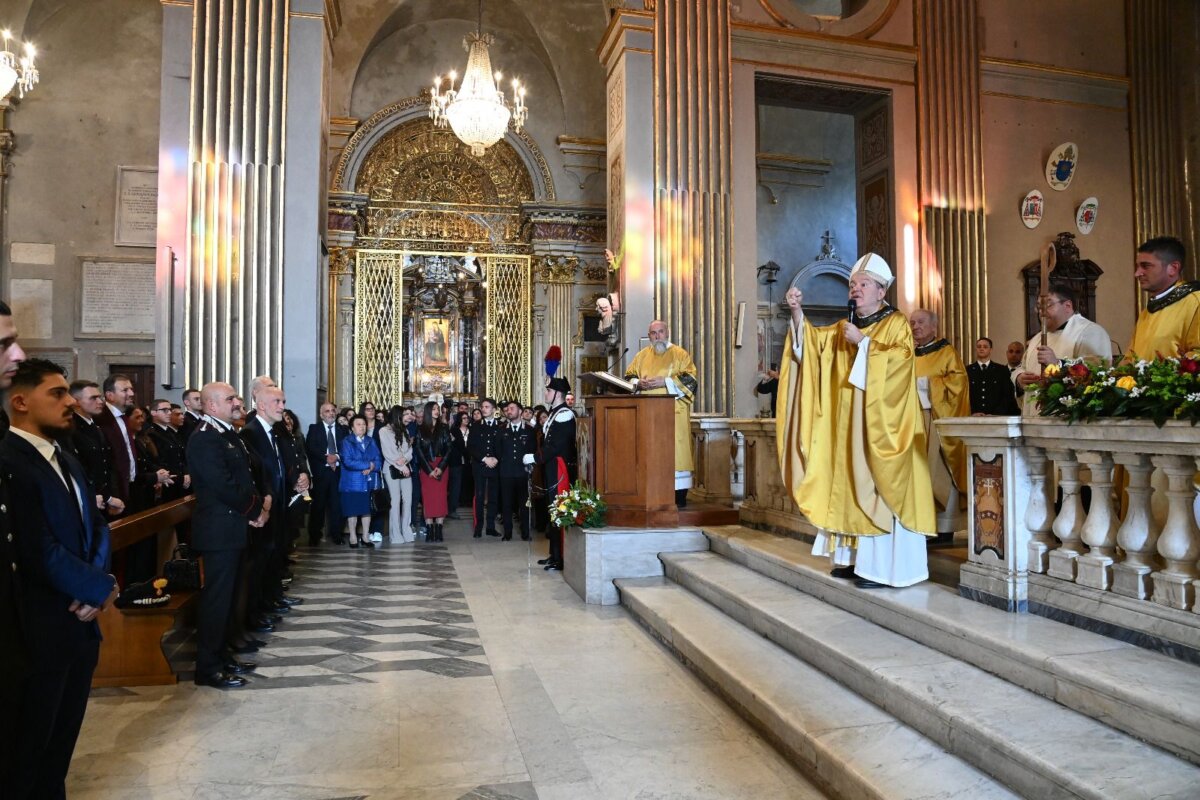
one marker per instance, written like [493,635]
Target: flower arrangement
[1158,390]
[580,505]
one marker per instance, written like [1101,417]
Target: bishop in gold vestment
[851,437]
[665,368]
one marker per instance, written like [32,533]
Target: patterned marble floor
[460,671]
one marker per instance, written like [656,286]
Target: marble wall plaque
[32,253]
[65,357]
[116,299]
[32,303]
[137,207]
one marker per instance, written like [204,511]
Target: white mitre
[876,267]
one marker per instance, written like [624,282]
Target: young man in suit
[62,565]
[227,504]
[89,444]
[518,444]
[14,658]
[990,385]
[323,443]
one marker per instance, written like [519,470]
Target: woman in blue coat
[361,462]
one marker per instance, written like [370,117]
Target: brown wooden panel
[634,458]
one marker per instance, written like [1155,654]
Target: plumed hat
[553,359]
[875,267]
[559,384]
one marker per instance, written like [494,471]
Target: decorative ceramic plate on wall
[1031,209]
[1085,217]
[1060,167]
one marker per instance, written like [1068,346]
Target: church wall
[1065,33]
[97,107]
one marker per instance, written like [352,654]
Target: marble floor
[456,670]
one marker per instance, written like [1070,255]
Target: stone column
[1100,528]
[1039,514]
[1179,542]
[954,256]
[236,316]
[1069,522]
[1138,534]
[693,258]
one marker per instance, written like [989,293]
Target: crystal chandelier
[477,112]
[16,71]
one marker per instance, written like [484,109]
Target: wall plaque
[116,299]
[137,207]
[32,303]
[65,357]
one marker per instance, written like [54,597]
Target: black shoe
[477,535]
[354,545]
[493,532]
[524,537]
[236,667]
[291,601]
[367,543]
[506,537]
[339,540]
[262,626]
[681,498]
[864,583]
[244,649]
[846,573]
[544,561]
[221,681]
[553,566]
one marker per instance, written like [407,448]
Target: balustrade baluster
[1138,534]
[1099,532]
[1179,542]
[1039,515]
[1069,522]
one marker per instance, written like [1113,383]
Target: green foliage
[1158,390]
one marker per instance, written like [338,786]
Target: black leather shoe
[863,583]
[255,642]
[506,537]
[221,681]
[261,627]
[354,545]
[524,537]
[292,601]
[493,532]
[553,566]
[477,535]
[846,573]
[236,667]
[543,561]
[244,649]
[367,543]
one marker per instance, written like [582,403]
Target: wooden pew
[132,652]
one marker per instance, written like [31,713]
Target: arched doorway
[430,278]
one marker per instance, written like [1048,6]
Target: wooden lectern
[633,458]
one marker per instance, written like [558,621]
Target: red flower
[1079,371]
[1189,365]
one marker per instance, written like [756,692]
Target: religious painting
[436,337]
[589,325]
[988,486]
[764,357]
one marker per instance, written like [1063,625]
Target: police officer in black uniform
[518,446]
[168,451]
[227,504]
[559,457]
[89,444]
[483,445]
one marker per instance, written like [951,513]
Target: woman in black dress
[433,449]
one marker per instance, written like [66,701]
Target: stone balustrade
[766,502]
[1091,523]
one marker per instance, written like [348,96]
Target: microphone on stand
[616,358]
[851,308]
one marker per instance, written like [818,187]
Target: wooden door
[142,378]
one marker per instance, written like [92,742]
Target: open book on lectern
[609,380]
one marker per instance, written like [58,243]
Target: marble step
[848,746]
[1147,694]
[1031,744]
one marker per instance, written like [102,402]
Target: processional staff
[1049,258]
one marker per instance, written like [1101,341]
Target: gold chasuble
[943,393]
[852,446]
[676,365]
[1169,324]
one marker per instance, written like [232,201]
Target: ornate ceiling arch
[399,155]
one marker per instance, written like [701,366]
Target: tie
[65,473]
[330,441]
[278,462]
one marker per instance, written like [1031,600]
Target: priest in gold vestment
[943,392]
[665,368]
[1169,325]
[851,437]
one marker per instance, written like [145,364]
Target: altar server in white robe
[1070,335]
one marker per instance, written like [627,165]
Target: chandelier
[477,112]
[16,71]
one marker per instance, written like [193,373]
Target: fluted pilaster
[954,260]
[558,276]
[234,279]
[693,210]
[1160,170]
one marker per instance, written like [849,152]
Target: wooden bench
[132,651]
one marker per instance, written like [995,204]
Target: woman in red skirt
[431,448]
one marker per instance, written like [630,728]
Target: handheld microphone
[617,358]
[851,308]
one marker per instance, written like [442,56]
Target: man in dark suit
[267,560]
[193,414]
[518,444]
[62,550]
[559,457]
[90,446]
[991,387]
[14,660]
[483,446]
[167,452]
[323,443]
[118,402]
[227,504]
